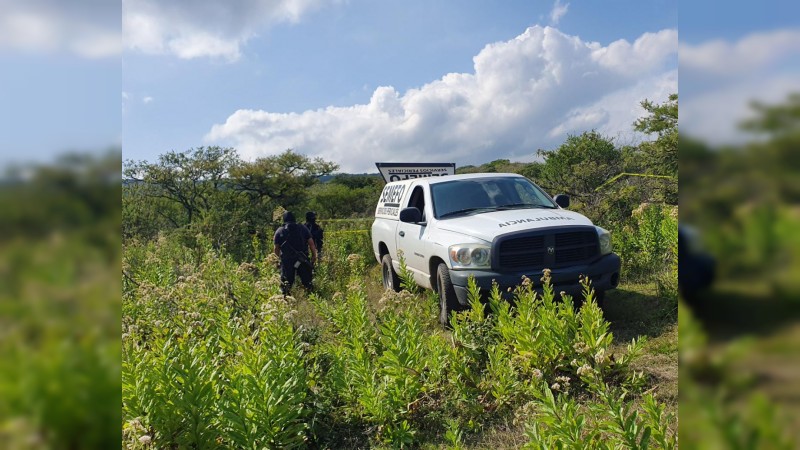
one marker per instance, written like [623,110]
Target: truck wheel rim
[387,280]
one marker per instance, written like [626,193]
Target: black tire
[600,299]
[390,278]
[448,301]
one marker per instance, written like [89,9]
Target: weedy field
[215,357]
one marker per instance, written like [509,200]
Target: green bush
[647,245]
[717,399]
[59,350]
[210,358]
[214,357]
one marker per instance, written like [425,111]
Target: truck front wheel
[448,301]
[390,278]
[599,298]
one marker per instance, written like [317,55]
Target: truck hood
[488,225]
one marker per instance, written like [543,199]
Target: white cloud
[721,78]
[751,53]
[558,12]
[715,114]
[524,94]
[89,29]
[638,58]
[97,44]
[147,99]
[204,28]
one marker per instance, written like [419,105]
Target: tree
[580,165]
[282,179]
[211,191]
[660,157]
[531,170]
[778,155]
[191,179]
[336,201]
[775,120]
[588,168]
[76,192]
[346,196]
[358,181]
[741,195]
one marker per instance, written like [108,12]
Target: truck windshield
[476,195]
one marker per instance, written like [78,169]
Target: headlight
[605,240]
[465,256]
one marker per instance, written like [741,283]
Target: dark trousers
[288,272]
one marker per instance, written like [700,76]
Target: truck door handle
[402,233]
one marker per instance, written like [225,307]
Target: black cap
[288,217]
[311,216]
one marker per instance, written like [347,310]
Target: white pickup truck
[496,227]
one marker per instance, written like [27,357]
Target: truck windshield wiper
[466,210]
[523,205]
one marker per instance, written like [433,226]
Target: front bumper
[604,274]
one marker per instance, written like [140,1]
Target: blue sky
[60,78]
[68,103]
[336,54]
[316,74]
[702,21]
[730,55]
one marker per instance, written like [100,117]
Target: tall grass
[648,247]
[215,357]
[59,343]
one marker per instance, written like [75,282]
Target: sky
[730,56]
[60,78]
[357,82]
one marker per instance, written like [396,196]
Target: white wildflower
[580,347]
[600,356]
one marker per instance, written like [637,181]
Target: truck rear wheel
[390,278]
[448,301]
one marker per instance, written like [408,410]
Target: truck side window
[417,200]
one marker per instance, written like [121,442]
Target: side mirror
[562,200]
[410,215]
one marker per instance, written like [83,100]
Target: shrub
[647,244]
[214,356]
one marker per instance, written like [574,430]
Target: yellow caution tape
[346,232]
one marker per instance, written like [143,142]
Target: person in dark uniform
[317,233]
[292,242]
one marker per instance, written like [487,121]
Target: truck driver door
[411,236]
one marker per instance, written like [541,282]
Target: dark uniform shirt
[292,235]
[316,234]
